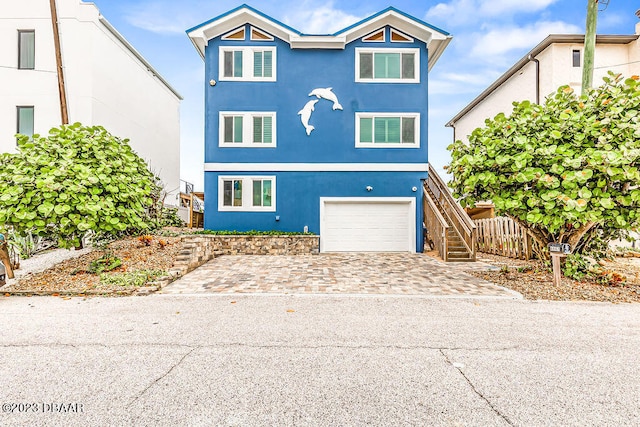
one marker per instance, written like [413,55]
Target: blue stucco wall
[298,198]
[299,71]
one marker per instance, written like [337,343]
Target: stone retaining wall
[197,249]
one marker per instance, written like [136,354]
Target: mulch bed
[70,277]
[534,280]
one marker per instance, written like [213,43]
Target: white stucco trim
[247,63]
[247,129]
[374,50]
[247,194]
[373,115]
[315,167]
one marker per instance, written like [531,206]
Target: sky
[488,38]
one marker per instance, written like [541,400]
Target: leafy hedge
[253,233]
[78,179]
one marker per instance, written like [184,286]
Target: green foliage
[170,218]
[560,168]
[131,278]
[76,180]
[577,267]
[107,262]
[25,246]
[253,233]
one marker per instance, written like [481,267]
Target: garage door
[385,224]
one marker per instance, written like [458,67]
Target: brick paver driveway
[371,273]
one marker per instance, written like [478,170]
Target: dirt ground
[534,280]
[72,276]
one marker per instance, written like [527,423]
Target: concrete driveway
[350,273]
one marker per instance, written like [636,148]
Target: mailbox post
[557,251]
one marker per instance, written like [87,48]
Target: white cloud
[503,40]
[458,12]
[161,17]
[321,19]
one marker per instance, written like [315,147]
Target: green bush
[131,278]
[76,180]
[253,233]
[106,262]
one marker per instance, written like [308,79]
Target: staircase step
[458,254]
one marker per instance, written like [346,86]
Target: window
[247,129]
[233,63]
[576,58]
[247,193]
[248,64]
[25,120]
[388,65]
[26,49]
[262,63]
[387,130]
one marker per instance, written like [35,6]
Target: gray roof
[549,40]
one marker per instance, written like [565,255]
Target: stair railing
[458,218]
[436,225]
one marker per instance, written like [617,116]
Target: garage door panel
[384,225]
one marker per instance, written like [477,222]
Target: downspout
[64,114]
[531,58]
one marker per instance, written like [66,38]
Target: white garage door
[385,224]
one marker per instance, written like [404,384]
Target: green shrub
[106,262]
[131,278]
[253,233]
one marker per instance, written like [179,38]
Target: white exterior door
[367,224]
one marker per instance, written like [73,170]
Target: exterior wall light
[369,188]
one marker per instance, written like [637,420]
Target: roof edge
[138,55]
[239,8]
[548,41]
[391,9]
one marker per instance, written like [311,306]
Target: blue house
[319,133]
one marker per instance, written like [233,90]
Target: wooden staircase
[449,229]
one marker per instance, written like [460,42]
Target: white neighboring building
[107,81]
[556,61]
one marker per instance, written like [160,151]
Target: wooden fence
[502,236]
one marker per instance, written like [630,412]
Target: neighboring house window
[248,64]
[247,129]
[25,120]
[388,65]
[247,193]
[26,49]
[387,130]
[576,58]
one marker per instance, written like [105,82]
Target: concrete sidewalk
[318,360]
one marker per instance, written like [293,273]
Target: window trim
[247,129]
[247,63]
[20,107]
[415,144]
[20,47]
[269,37]
[247,193]
[416,64]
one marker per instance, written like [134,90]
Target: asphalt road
[317,360]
